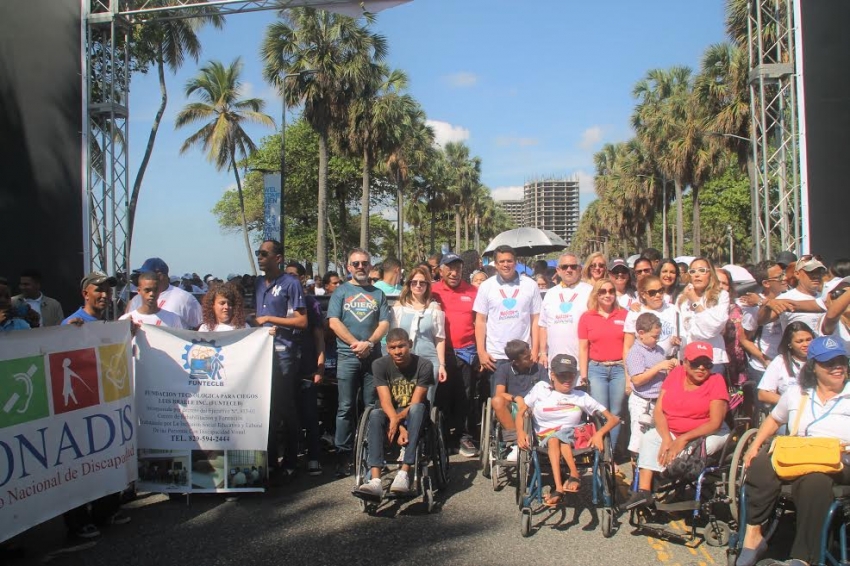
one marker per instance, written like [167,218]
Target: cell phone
[835,293]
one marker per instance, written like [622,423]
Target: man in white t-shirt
[171,298]
[149,311]
[836,321]
[507,307]
[770,275]
[562,306]
[803,302]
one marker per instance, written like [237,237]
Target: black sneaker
[343,465]
[640,498]
[467,448]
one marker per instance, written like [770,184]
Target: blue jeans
[377,434]
[608,386]
[284,408]
[352,374]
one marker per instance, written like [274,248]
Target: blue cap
[153,264]
[450,258]
[825,348]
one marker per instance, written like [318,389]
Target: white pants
[651,445]
[637,407]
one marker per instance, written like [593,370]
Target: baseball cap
[153,264]
[810,264]
[825,348]
[188,276]
[450,258]
[311,282]
[232,276]
[617,263]
[786,258]
[174,279]
[564,363]
[97,278]
[696,350]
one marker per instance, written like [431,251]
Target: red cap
[696,350]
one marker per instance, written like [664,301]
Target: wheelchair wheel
[440,456]
[525,522]
[736,470]
[428,493]
[495,475]
[524,465]
[486,425]
[717,533]
[361,449]
[607,522]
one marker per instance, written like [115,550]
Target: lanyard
[513,296]
[573,298]
[823,416]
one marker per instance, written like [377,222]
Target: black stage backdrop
[826,80]
[40,144]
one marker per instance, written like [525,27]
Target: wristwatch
[694,306]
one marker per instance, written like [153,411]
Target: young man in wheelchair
[401,383]
[557,410]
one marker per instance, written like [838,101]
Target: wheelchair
[530,483]
[493,449]
[430,472]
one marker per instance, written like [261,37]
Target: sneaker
[401,456]
[87,532]
[371,490]
[467,448]
[401,483]
[119,518]
[343,465]
[314,468]
[513,455]
[639,498]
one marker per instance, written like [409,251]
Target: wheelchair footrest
[678,507]
[663,534]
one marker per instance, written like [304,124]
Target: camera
[835,293]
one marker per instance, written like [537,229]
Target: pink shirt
[687,410]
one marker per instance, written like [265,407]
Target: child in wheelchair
[557,409]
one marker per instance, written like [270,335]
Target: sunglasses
[597,266]
[641,271]
[701,363]
[418,283]
[778,279]
[359,264]
[700,270]
[654,292]
[262,253]
[601,292]
[620,275]
[572,266]
[838,361]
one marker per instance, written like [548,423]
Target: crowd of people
[652,344]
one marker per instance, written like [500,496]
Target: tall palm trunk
[242,212]
[400,203]
[140,175]
[680,229]
[457,230]
[696,228]
[648,233]
[364,203]
[321,222]
[466,230]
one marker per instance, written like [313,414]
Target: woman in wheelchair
[783,371]
[557,410]
[820,406]
[692,404]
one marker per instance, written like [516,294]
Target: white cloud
[586,186]
[590,137]
[461,80]
[507,193]
[505,141]
[247,90]
[445,132]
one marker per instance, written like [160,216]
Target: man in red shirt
[456,296]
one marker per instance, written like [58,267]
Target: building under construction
[549,204]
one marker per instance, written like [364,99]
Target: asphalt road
[315,521]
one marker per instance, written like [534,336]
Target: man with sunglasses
[764,339]
[562,307]
[802,303]
[280,304]
[359,316]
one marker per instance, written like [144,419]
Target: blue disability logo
[203,360]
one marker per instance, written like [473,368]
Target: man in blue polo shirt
[280,303]
[97,293]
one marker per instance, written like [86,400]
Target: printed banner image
[203,403]
[67,420]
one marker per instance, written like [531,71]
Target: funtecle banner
[67,420]
[203,403]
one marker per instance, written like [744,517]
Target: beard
[362,278]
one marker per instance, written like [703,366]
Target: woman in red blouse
[600,349]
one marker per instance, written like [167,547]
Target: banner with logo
[272,205]
[67,420]
[203,404]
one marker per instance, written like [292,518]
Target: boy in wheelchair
[557,409]
[401,383]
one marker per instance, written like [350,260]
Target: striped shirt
[638,360]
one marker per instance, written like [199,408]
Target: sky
[534,88]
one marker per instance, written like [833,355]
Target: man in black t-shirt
[401,383]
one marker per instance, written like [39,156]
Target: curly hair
[406,295]
[230,292]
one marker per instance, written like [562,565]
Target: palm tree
[343,53]
[222,136]
[464,173]
[167,43]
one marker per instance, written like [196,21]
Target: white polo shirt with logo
[559,314]
[509,306]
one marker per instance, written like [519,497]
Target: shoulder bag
[793,456]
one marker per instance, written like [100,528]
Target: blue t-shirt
[359,309]
[280,298]
[81,313]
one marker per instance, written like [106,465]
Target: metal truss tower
[777,221]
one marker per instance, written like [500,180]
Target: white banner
[67,422]
[203,404]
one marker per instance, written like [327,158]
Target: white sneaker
[401,456]
[401,483]
[372,489]
[513,455]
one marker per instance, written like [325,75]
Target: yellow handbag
[793,456]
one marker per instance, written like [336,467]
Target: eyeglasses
[601,292]
[838,361]
[597,266]
[418,283]
[654,292]
[777,279]
[641,271]
[701,363]
[262,253]
[357,264]
[567,266]
[700,270]
[620,275]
